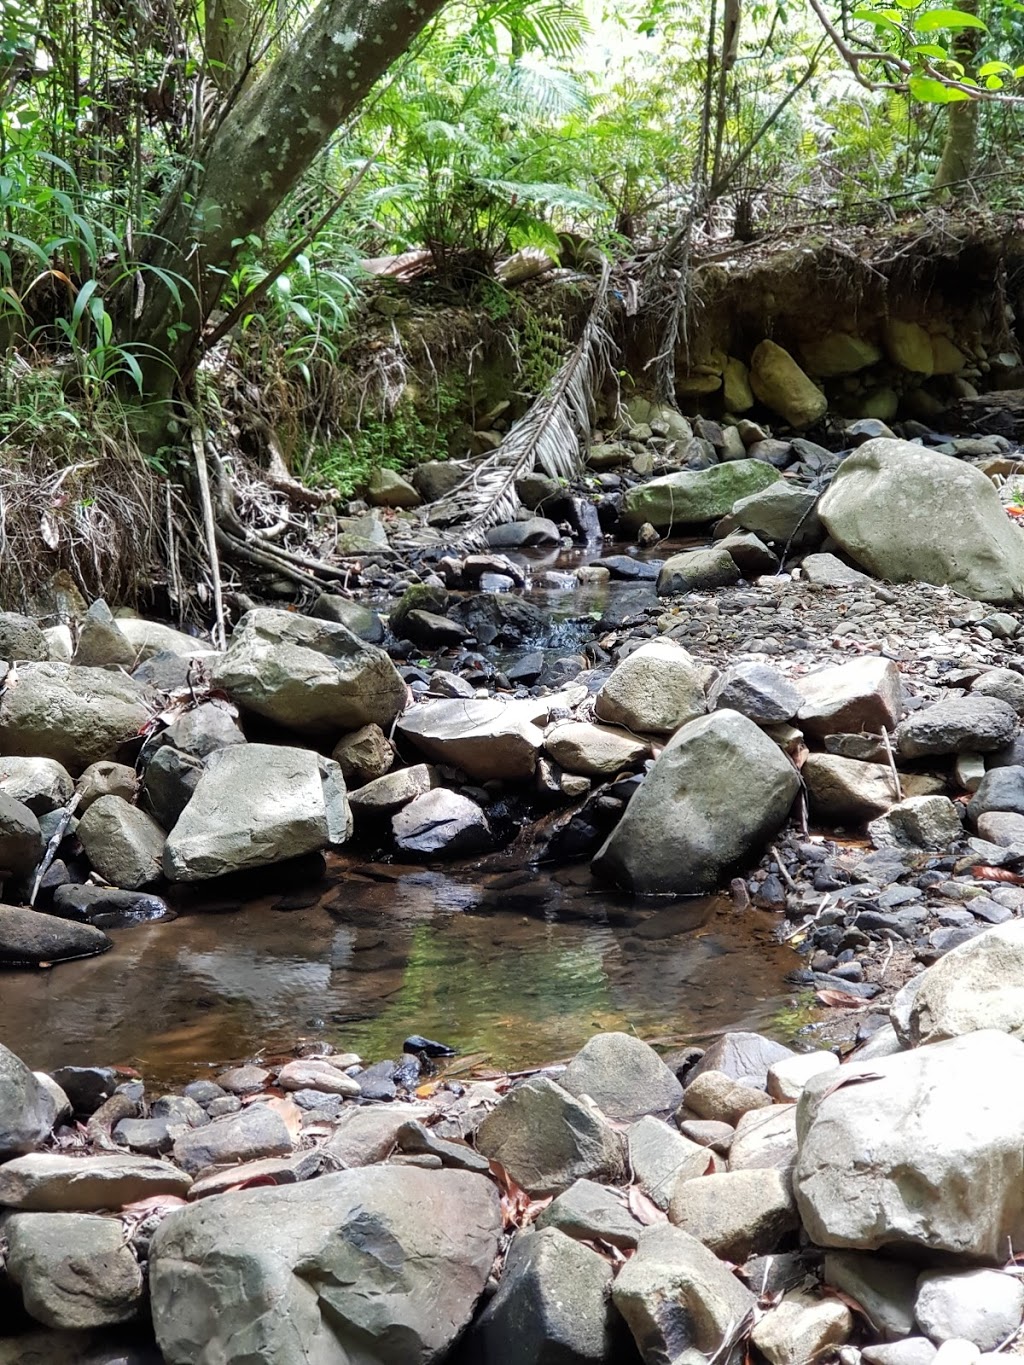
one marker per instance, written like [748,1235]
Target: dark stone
[498,618]
[515,535]
[638,570]
[1001,789]
[87,1086]
[21,842]
[107,906]
[377,1082]
[428,629]
[527,669]
[28,937]
[168,783]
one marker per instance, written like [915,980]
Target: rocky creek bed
[805,711]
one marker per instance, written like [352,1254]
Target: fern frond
[552,436]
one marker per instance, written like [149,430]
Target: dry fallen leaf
[998,874]
[643,1208]
[854,1078]
[838,1000]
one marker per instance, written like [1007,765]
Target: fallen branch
[54,845]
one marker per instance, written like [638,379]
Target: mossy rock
[694,498]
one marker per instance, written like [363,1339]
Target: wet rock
[742,1056]
[942,1119]
[107,905]
[779,382]
[765,1139]
[962,535]
[623,1076]
[736,1214]
[783,514]
[390,793]
[308,675]
[123,843]
[244,1080]
[690,498]
[970,724]
[41,784]
[515,535]
[310,1073]
[441,823]
[206,728]
[787,1078]
[885,1289]
[546,1138]
[931,822]
[755,691]
[846,791]
[865,694]
[87,1087]
[386,1263]
[74,1270]
[714,1095]
[630,569]
[27,1109]
[552,1305]
[28,937]
[257,804]
[718,790]
[654,690]
[76,716]
[981,1306]
[487,738]
[254,1132]
[801,1328]
[660,1157]
[21,843]
[46,1182]
[21,640]
[100,641]
[430,631]
[589,1213]
[680,1301]
[364,755]
[593,750]
[697,570]
[169,783]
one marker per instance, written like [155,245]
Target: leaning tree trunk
[246,167]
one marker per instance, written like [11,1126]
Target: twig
[898,786]
[783,870]
[54,844]
[210,530]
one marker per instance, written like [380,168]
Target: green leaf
[994,68]
[930,91]
[993,83]
[932,50]
[934,19]
[878,20]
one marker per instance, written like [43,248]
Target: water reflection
[521,966]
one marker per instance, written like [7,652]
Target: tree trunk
[230,31]
[247,166]
[957,162]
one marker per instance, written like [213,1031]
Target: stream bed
[523,969]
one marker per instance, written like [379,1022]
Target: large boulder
[694,498]
[29,938]
[907,513]
[40,783]
[624,1077]
[21,843]
[697,571]
[718,790]
[308,675]
[736,1214]
[893,1151]
[383,1264]
[74,715]
[100,641]
[864,694]
[486,738]
[150,637]
[593,750]
[441,823]
[254,805]
[654,690]
[27,1108]
[780,384]
[74,1270]
[781,513]
[958,725]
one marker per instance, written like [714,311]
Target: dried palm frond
[552,436]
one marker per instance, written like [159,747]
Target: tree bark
[958,150]
[247,166]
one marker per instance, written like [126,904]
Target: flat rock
[690,498]
[254,1132]
[981,1306]
[764,1139]
[310,1073]
[919,822]
[28,938]
[487,738]
[714,1095]
[736,1214]
[593,750]
[787,1078]
[75,716]
[46,1182]
[970,724]
[697,571]
[826,571]
[590,1212]
[660,1157]
[845,791]
[388,794]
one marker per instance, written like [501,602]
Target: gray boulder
[697,571]
[781,513]
[254,1132]
[978,985]
[624,1077]
[27,1108]
[962,725]
[49,1182]
[360,620]
[486,738]
[801,1328]
[384,1264]
[105,779]
[981,1306]
[907,513]
[364,755]
[590,1212]
[441,823]
[660,1157]
[100,641]
[718,790]
[385,795]
[765,1139]
[28,938]
[1002,683]
[691,498]
[890,1160]
[931,822]
[865,694]
[654,690]
[681,1303]
[845,790]
[552,1307]
[149,638]
[257,804]
[742,1056]
[546,1138]
[21,640]
[21,843]
[74,1270]
[514,535]
[39,783]
[737,1214]
[123,843]
[884,1288]
[169,783]
[757,692]
[206,728]
[74,715]
[1001,789]
[310,676]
